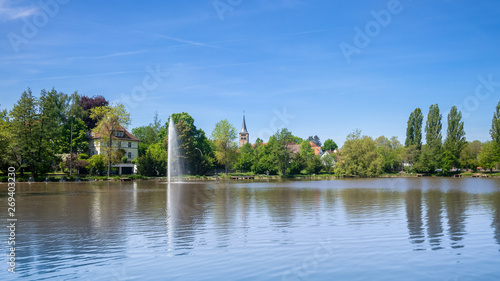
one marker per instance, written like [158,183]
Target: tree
[148,134]
[196,151]
[109,120]
[6,140]
[489,155]
[329,145]
[87,104]
[154,162]
[455,137]
[224,135]
[469,155]
[495,125]
[280,155]
[433,127]
[414,129]
[359,157]
[390,151]
[315,140]
[246,158]
[29,134]
[96,164]
[433,139]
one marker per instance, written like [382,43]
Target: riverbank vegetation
[47,138]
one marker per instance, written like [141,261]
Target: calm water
[376,229]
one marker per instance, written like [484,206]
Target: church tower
[243,133]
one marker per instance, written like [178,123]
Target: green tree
[414,129]
[6,140]
[329,145]
[359,157]
[433,139]
[30,134]
[469,155]
[196,151]
[489,155]
[495,125]
[280,154]
[246,158]
[223,136]
[433,128]
[110,119]
[96,164]
[149,134]
[455,138]
[391,151]
[154,162]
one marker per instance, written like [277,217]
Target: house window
[119,134]
[129,155]
[129,144]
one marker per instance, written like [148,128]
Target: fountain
[173,165]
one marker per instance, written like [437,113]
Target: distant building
[122,140]
[244,133]
[317,149]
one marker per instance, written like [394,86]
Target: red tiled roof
[126,135]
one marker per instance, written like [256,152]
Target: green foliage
[279,153]
[414,129]
[96,164]
[196,151]
[455,138]
[124,159]
[359,157]
[495,125]
[154,162]
[148,134]
[329,145]
[428,160]
[433,127]
[246,158]
[391,152]
[223,136]
[489,156]
[31,130]
[469,155]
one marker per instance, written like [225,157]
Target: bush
[124,159]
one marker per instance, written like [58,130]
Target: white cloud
[8,13]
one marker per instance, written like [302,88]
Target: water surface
[373,229]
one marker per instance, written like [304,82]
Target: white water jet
[173,165]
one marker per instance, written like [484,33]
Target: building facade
[122,141]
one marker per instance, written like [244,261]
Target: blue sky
[280,61]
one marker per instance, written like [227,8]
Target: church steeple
[244,132]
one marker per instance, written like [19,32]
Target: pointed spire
[244,127]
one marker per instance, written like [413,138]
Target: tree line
[48,133]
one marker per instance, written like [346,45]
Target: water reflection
[455,207]
[495,224]
[433,199]
[249,227]
[413,199]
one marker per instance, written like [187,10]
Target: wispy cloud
[88,75]
[8,13]
[118,54]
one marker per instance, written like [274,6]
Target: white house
[123,141]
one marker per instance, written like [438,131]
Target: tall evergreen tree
[495,125]
[29,131]
[455,136]
[433,128]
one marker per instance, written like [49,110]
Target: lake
[362,229]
